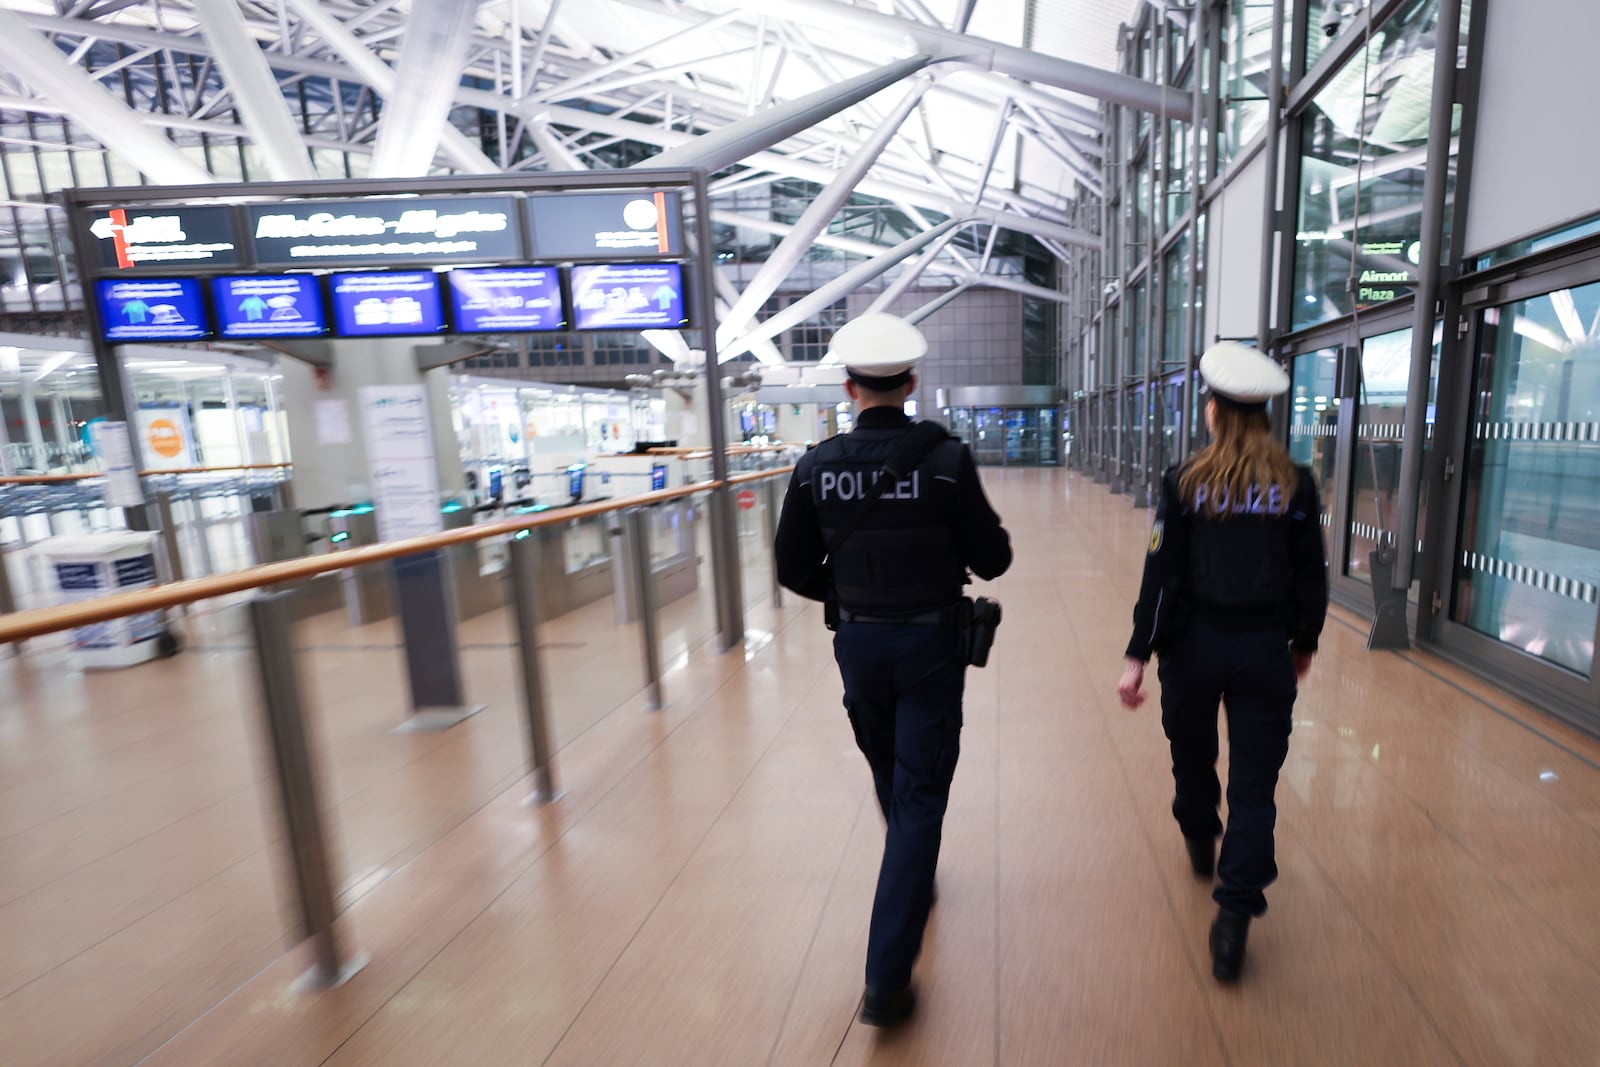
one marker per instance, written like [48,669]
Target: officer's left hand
[1132,682]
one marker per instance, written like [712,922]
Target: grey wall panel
[1536,160]
[975,340]
[1234,272]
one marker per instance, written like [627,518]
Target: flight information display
[387,304]
[507,300]
[629,296]
[152,309]
[269,305]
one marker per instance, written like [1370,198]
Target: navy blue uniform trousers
[1252,675]
[902,689]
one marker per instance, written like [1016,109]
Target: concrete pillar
[30,422]
[337,474]
[686,420]
[61,420]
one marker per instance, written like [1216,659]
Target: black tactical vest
[1239,567]
[902,559]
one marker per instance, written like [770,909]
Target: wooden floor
[700,895]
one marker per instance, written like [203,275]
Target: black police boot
[1202,856]
[880,1008]
[1228,935]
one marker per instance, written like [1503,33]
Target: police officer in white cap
[883,525]
[1234,597]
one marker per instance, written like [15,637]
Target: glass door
[1050,439]
[1314,421]
[1526,587]
[1173,425]
[989,436]
[1379,440]
[1022,437]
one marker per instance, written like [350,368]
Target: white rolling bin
[95,565]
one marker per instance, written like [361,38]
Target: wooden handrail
[733,450]
[23,625]
[759,476]
[57,479]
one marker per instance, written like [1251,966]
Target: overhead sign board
[410,230]
[386,304]
[268,305]
[628,296]
[606,225]
[158,236]
[506,300]
[151,309]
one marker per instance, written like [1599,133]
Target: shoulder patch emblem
[1156,533]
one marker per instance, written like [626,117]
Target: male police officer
[883,524]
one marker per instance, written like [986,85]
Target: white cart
[98,564]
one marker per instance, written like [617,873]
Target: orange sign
[164,439]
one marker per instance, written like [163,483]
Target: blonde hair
[1242,456]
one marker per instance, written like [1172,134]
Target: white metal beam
[372,70]
[822,210]
[1021,63]
[41,65]
[908,277]
[255,89]
[937,304]
[575,85]
[737,141]
[438,35]
[832,290]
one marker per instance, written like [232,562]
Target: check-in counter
[477,580]
[368,591]
[574,563]
[279,535]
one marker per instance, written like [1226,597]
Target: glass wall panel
[1530,569]
[1141,215]
[1179,176]
[1380,437]
[1175,287]
[1246,68]
[1362,163]
[1137,331]
[1314,421]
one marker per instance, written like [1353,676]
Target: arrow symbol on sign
[665,297]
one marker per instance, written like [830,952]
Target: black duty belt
[936,617]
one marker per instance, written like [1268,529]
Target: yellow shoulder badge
[1155,537]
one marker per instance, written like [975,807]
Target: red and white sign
[746,499]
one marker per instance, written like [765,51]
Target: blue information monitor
[658,477]
[152,309]
[387,304]
[629,296]
[506,300]
[269,305]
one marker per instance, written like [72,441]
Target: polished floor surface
[700,894]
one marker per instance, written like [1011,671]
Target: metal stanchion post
[524,553]
[636,527]
[169,540]
[283,711]
[169,535]
[774,503]
[8,602]
[202,535]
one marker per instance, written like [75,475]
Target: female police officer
[1234,597]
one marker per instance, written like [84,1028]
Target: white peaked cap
[1242,374]
[878,345]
